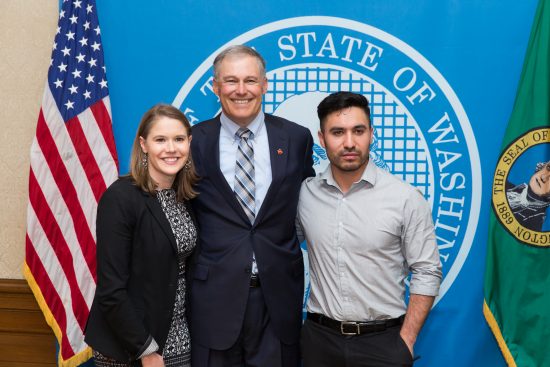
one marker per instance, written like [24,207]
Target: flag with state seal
[517,279]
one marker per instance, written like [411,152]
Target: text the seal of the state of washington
[422,133]
[521,188]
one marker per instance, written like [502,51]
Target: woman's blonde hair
[185,179]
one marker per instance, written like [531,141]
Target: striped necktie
[245,188]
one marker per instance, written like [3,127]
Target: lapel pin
[279,151]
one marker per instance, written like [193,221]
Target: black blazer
[137,272]
[221,268]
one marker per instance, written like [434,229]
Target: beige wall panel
[27,28]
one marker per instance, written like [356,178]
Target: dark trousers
[324,347]
[256,346]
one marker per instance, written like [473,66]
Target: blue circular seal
[422,133]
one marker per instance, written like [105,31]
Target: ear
[216,87]
[264,86]
[321,139]
[142,144]
[190,139]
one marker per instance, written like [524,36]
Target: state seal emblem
[422,133]
[521,188]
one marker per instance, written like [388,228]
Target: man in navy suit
[247,275]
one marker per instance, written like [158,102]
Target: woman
[145,232]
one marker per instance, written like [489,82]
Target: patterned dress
[177,350]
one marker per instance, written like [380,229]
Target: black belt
[353,327]
[254,282]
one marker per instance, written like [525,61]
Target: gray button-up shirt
[362,245]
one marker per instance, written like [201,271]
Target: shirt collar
[231,128]
[368,176]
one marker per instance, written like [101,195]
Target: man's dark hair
[339,101]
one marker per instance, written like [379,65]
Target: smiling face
[540,181]
[167,145]
[346,135]
[240,85]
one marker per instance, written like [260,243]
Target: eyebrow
[166,136]
[235,77]
[359,126]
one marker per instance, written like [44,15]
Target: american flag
[73,161]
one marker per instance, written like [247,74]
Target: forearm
[417,311]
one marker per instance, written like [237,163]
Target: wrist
[409,338]
[152,348]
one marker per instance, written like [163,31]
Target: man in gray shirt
[366,232]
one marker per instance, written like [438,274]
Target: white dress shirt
[229,145]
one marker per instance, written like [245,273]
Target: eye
[181,139]
[160,140]
[359,131]
[251,82]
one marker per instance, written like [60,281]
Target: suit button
[248,269]
[252,231]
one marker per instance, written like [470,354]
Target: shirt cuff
[424,290]
[152,348]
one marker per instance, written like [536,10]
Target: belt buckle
[358,332]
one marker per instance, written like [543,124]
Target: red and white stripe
[72,164]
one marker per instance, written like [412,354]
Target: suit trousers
[256,346]
[325,347]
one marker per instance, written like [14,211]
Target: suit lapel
[156,210]
[278,154]
[211,163]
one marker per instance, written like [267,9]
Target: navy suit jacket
[220,274]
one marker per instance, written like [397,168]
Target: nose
[170,146]
[348,140]
[241,87]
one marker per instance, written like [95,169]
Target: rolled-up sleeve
[420,247]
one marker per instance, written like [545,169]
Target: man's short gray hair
[240,50]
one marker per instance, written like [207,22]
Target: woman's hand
[152,360]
